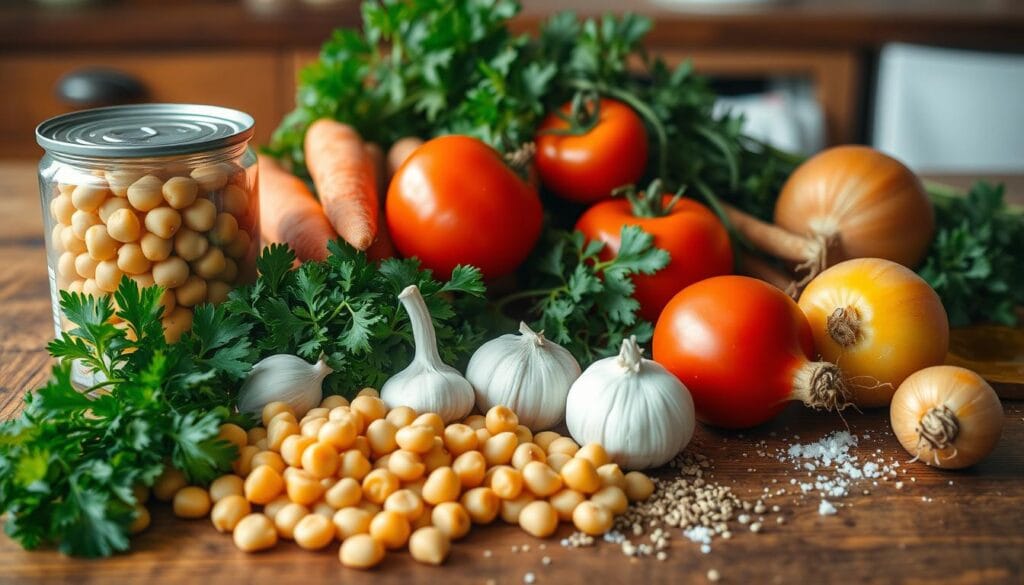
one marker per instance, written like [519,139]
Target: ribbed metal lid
[144,130]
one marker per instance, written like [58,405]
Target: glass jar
[164,194]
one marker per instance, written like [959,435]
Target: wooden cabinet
[258,82]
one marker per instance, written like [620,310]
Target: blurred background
[938,83]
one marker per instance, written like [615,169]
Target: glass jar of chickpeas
[161,193]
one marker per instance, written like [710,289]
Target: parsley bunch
[346,309]
[69,463]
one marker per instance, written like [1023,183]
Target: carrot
[343,174]
[400,151]
[751,265]
[290,213]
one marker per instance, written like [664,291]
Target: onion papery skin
[867,204]
[900,323]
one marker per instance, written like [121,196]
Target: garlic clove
[286,378]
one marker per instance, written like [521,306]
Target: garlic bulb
[427,384]
[526,373]
[641,413]
[286,378]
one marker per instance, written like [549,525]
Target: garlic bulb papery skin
[635,408]
[286,378]
[427,384]
[527,373]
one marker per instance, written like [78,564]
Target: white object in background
[785,119]
[950,110]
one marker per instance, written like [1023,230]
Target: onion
[879,321]
[845,202]
[947,416]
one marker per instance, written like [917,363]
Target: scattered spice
[529,578]
[714,576]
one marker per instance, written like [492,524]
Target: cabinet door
[249,81]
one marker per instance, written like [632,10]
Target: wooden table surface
[941,527]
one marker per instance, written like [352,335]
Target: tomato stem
[584,114]
[650,203]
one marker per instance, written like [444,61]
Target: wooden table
[941,527]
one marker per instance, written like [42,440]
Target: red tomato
[454,201]
[742,347]
[588,167]
[691,233]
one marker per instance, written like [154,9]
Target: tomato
[694,237]
[586,168]
[742,348]
[880,320]
[454,201]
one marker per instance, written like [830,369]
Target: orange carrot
[343,174]
[400,151]
[290,214]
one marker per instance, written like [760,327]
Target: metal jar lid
[144,130]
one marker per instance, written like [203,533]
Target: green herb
[975,262]
[346,309]
[586,303]
[69,463]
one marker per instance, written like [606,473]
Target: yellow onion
[947,416]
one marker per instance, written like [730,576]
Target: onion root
[821,385]
[938,430]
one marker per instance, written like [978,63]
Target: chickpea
[263,484]
[234,200]
[378,485]
[507,482]
[106,210]
[180,192]
[368,391]
[475,421]
[120,180]
[433,420]
[638,487]
[229,511]
[190,245]
[123,225]
[211,264]
[176,323]
[425,519]
[354,464]
[141,493]
[429,545]
[66,265]
[594,453]
[391,529]
[459,438]
[346,492]
[311,428]
[141,520]
[415,486]
[405,502]
[108,275]
[565,501]
[345,414]
[442,485]
[320,459]
[539,519]
[200,216]
[226,485]
[338,434]
[498,449]
[500,419]
[168,484]
[163,222]
[437,457]
[482,436]
[233,434]
[333,401]
[523,434]
[592,518]
[406,465]
[302,487]
[146,193]
[415,438]
[85,265]
[470,467]
[563,445]
[170,273]
[362,444]
[273,409]
[89,197]
[580,475]
[99,243]
[351,521]
[61,209]
[254,532]
[269,458]
[76,286]
[381,435]
[81,221]
[211,177]
[217,291]
[451,519]
[315,413]
[361,551]
[71,242]
[191,502]
[370,408]
[510,509]
[370,507]
[612,498]
[90,288]
[255,434]
[243,465]
[482,504]
[279,431]
[155,248]
[191,293]
[131,259]
[526,453]
[313,532]
[287,518]
[611,475]
[541,479]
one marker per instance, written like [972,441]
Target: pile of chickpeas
[379,480]
[192,231]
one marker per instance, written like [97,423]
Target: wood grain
[941,527]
